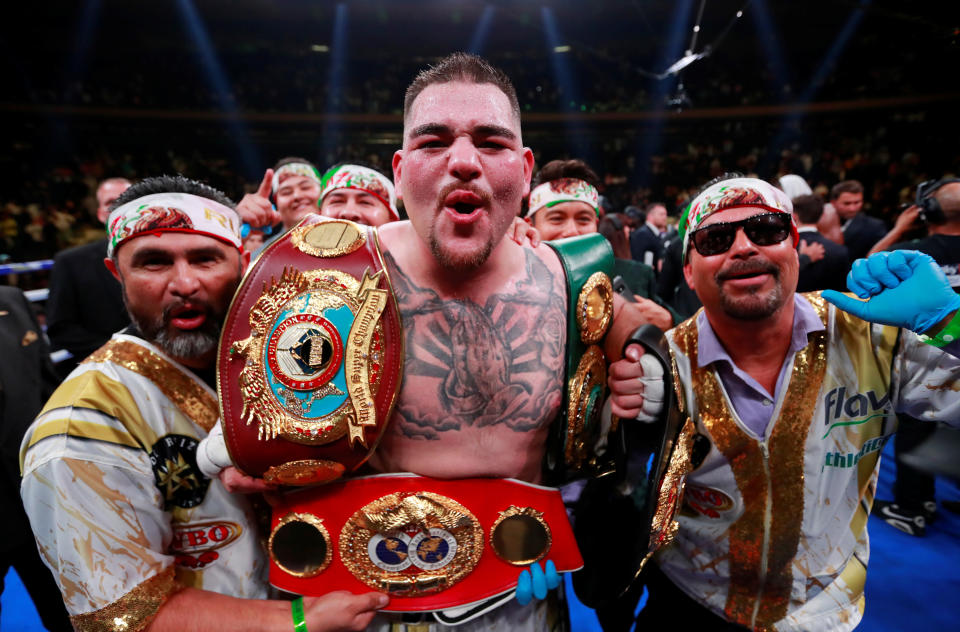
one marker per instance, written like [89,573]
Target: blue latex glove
[536,581]
[904,288]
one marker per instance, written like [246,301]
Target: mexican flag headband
[363,179]
[172,212]
[731,193]
[563,190]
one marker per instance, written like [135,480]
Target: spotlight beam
[792,123]
[335,101]
[215,74]
[482,31]
[76,67]
[768,37]
[566,81]
[835,51]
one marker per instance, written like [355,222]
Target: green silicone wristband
[946,335]
[299,620]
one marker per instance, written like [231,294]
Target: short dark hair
[172,184]
[611,227]
[847,186]
[557,169]
[653,205]
[808,208]
[291,159]
[461,67]
[635,217]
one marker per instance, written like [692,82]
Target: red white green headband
[364,179]
[563,190]
[293,169]
[731,193]
[172,212]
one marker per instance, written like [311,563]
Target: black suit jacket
[861,233]
[643,240]
[26,381]
[672,285]
[827,273]
[85,306]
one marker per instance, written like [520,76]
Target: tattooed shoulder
[498,363]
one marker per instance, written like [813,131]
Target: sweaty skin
[482,376]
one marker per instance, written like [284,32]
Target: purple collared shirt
[752,403]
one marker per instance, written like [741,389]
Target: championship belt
[652,462]
[311,354]
[588,263]
[430,544]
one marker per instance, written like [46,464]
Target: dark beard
[753,307]
[444,256]
[187,345]
[463,264]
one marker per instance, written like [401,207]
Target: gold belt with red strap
[430,544]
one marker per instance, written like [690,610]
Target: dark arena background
[658,96]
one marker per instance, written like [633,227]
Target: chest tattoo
[478,365]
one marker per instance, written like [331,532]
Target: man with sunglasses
[795,397]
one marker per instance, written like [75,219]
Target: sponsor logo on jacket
[194,545]
[706,501]
[841,409]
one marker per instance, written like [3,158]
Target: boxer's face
[463,170]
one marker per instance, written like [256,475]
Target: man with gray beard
[135,535]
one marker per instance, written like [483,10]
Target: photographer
[937,208]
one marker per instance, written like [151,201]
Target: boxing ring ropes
[35,296]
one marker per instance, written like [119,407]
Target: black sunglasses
[763,230]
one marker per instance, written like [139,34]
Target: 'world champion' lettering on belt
[859,408]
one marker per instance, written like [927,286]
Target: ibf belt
[309,363]
[430,544]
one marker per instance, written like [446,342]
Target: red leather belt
[430,544]
[311,355]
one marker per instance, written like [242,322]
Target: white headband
[731,193]
[563,190]
[172,212]
[363,179]
[293,169]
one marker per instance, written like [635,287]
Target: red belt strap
[430,544]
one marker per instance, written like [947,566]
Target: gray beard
[187,345]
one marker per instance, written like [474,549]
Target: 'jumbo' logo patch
[706,500]
[194,545]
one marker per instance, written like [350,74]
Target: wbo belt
[430,544]
[310,358]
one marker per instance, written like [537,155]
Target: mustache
[744,268]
